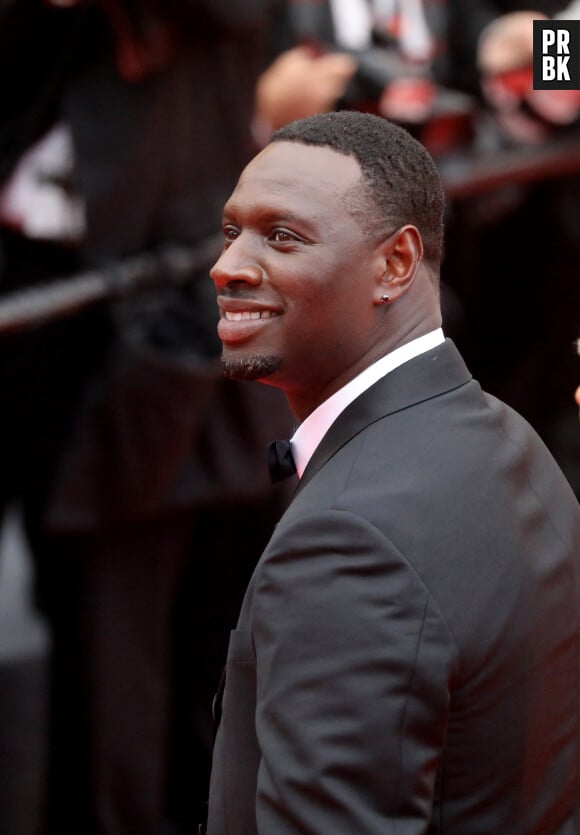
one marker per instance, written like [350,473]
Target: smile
[243,315]
[236,326]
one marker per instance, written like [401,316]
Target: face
[296,279]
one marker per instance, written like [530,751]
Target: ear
[401,254]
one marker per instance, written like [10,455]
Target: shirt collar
[311,431]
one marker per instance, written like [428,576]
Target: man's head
[400,183]
[322,270]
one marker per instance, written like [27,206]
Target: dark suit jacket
[406,657]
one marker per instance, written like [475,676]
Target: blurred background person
[140,475]
[518,242]
[492,50]
[372,55]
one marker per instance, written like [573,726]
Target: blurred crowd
[139,472]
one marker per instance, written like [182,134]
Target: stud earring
[384,299]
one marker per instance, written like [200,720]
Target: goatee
[254,367]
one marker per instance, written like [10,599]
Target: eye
[230,233]
[283,236]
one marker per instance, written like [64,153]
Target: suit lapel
[431,374]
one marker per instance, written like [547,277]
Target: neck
[304,398]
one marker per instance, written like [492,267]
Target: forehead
[292,175]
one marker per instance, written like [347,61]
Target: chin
[256,367]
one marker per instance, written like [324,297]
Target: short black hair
[399,174]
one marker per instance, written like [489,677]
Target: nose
[236,264]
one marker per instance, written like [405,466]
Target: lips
[240,320]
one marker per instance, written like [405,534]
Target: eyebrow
[268,216]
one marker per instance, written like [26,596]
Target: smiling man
[405,659]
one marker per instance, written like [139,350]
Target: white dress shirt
[353,23]
[311,431]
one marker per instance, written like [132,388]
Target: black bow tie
[280,460]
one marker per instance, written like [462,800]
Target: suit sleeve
[354,664]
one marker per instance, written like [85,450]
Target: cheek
[328,298]
[325,332]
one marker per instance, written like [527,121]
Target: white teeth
[246,314]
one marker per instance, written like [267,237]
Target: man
[405,659]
